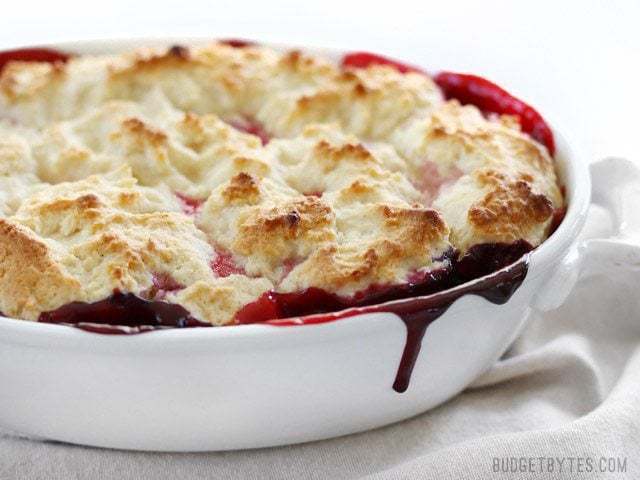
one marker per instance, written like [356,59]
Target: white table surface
[577,61]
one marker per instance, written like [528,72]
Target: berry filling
[470,89]
[431,181]
[252,127]
[163,283]
[276,305]
[237,42]
[366,59]
[122,313]
[32,55]
[478,261]
[559,213]
[489,97]
[486,258]
[224,265]
[190,205]
[128,313]
[288,265]
[556,219]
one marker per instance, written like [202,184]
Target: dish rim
[572,168]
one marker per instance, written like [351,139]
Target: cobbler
[233,183]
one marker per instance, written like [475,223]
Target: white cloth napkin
[563,403]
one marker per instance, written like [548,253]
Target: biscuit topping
[215,177]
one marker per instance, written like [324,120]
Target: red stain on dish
[470,89]
[253,127]
[237,42]
[47,55]
[190,205]
[224,265]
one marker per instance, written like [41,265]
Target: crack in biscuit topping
[207,176]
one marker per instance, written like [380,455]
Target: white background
[578,62]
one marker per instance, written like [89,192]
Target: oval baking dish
[260,384]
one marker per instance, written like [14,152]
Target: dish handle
[615,191]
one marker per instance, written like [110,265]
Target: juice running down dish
[232,183]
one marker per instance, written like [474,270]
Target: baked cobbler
[232,183]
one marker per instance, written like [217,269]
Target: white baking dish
[260,385]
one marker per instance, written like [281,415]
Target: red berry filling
[274,305]
[366,59]
[190,205]
[288,265]
[252,127]
[224,265]
[471,89]
[162,283]
[489,97]
[265,307]
[430,182]
[237,42]
[32,55]
[479,260]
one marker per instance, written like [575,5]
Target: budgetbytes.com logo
[559,465]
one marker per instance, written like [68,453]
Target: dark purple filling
[486,258]
[122,310]
[417,303]
[134,312]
